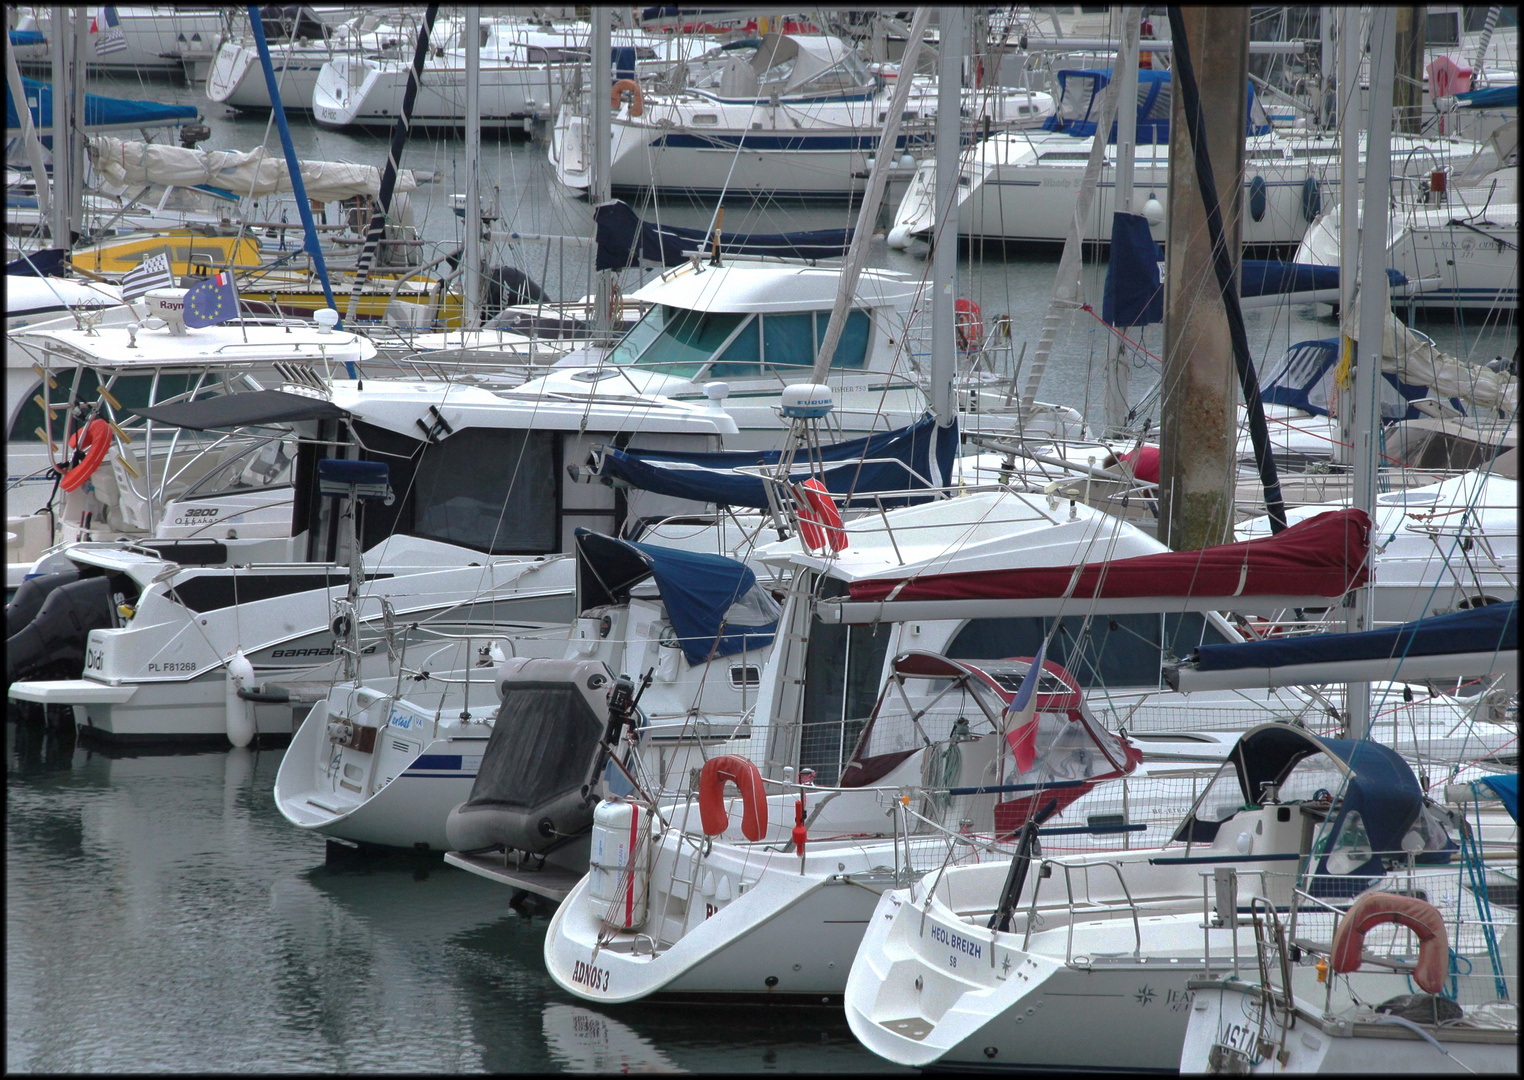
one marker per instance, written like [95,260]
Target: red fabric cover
[1145,463]
[1447,78]
[1374,909]
[1012,814]
[1322,556]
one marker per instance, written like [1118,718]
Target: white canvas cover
[122,164]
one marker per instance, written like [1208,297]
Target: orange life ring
[95,443]
[1373,909]
[820,523]
[711,796]
[969,323]
[637,105]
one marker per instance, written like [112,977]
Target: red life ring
[711,796]
[969,323]
[637,105]
[1373,909]
[95,443]
[820,523]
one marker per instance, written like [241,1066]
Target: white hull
[156,36]
[237,79]
[356,90]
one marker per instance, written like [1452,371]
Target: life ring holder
[820,524]
[1375,909]
[711,796]
[94,441]
[638,99]
[968,322]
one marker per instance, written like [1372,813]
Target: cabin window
[1443,28]
[133,391]
[706,118]
[852,346]
[842,672]
[688,339]
[786,340]
[1117,651]
[1476,18]
[742,358]
[491,489]
[637,337]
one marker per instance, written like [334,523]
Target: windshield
[638,336]
[688,339]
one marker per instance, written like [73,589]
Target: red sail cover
[1321,556]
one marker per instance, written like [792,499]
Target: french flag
[110,39]
[1021,715]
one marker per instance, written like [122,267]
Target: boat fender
[90,445]
[968,321]
[899,237]
[637,97]
[711,796]
[61,630]
[1374,909]
[1257,196]
[801,834]
[239,712]
[820,523]
[1312,198]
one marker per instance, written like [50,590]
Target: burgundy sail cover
[1321,556]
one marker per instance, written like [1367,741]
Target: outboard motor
[30,596]
[532,788]
[61,629]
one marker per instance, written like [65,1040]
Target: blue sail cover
[697,588]
[1303,379]
[1078,114]
[918,456]
[1271,277]
[101,113]
[624,240]
[1133,295]
[1488,629]
[1497,97]
[27,37]
[1507,789]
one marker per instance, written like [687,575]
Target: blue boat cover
[1303,378]
[1133,295]
[862,468]
[1491,628]
[1271,277]
[50,262]
[697,588]
[101,113]
[1497,97]
[624,240]
[27,37]
[1153,105]
[1507,789]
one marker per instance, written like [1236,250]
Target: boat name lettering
[174,665]
[95,660]
[288,654]
[1240,1037]
[202,511]
[1177,1000]
[402,719]
[956,941]
[594,978]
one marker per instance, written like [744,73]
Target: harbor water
[161,915]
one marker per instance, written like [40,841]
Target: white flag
[152,273]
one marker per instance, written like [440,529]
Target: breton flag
[1021,714]
[109,39]
[211,301]
[152,273]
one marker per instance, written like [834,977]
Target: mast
[76,143]
[63,34]
[1348,104]
[601,186]
[944,266]
[1125,75]
[29,136]
[471,283]
[394,155]
[293,165]
[1373,314]
[878,176]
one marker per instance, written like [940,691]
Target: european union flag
[211,301]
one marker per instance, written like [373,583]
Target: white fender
[899,237]
[240,713]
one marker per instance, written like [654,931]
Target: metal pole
[394,155]
[29,136]
[76,204]
[472,280]
[1126,74]
[1351,31]
[1373,313]
[944,272]
[63,36]
[602,83]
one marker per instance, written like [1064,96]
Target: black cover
[624,240]
[59,632]
[30,596]
[246,409]
[541,743]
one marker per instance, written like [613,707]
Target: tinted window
[1122,650]
[852,346]
[789,340]
[742,358]
[492,490]
[688,339]
[843,668]
[133,391]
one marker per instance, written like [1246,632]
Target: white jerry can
[619,877]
